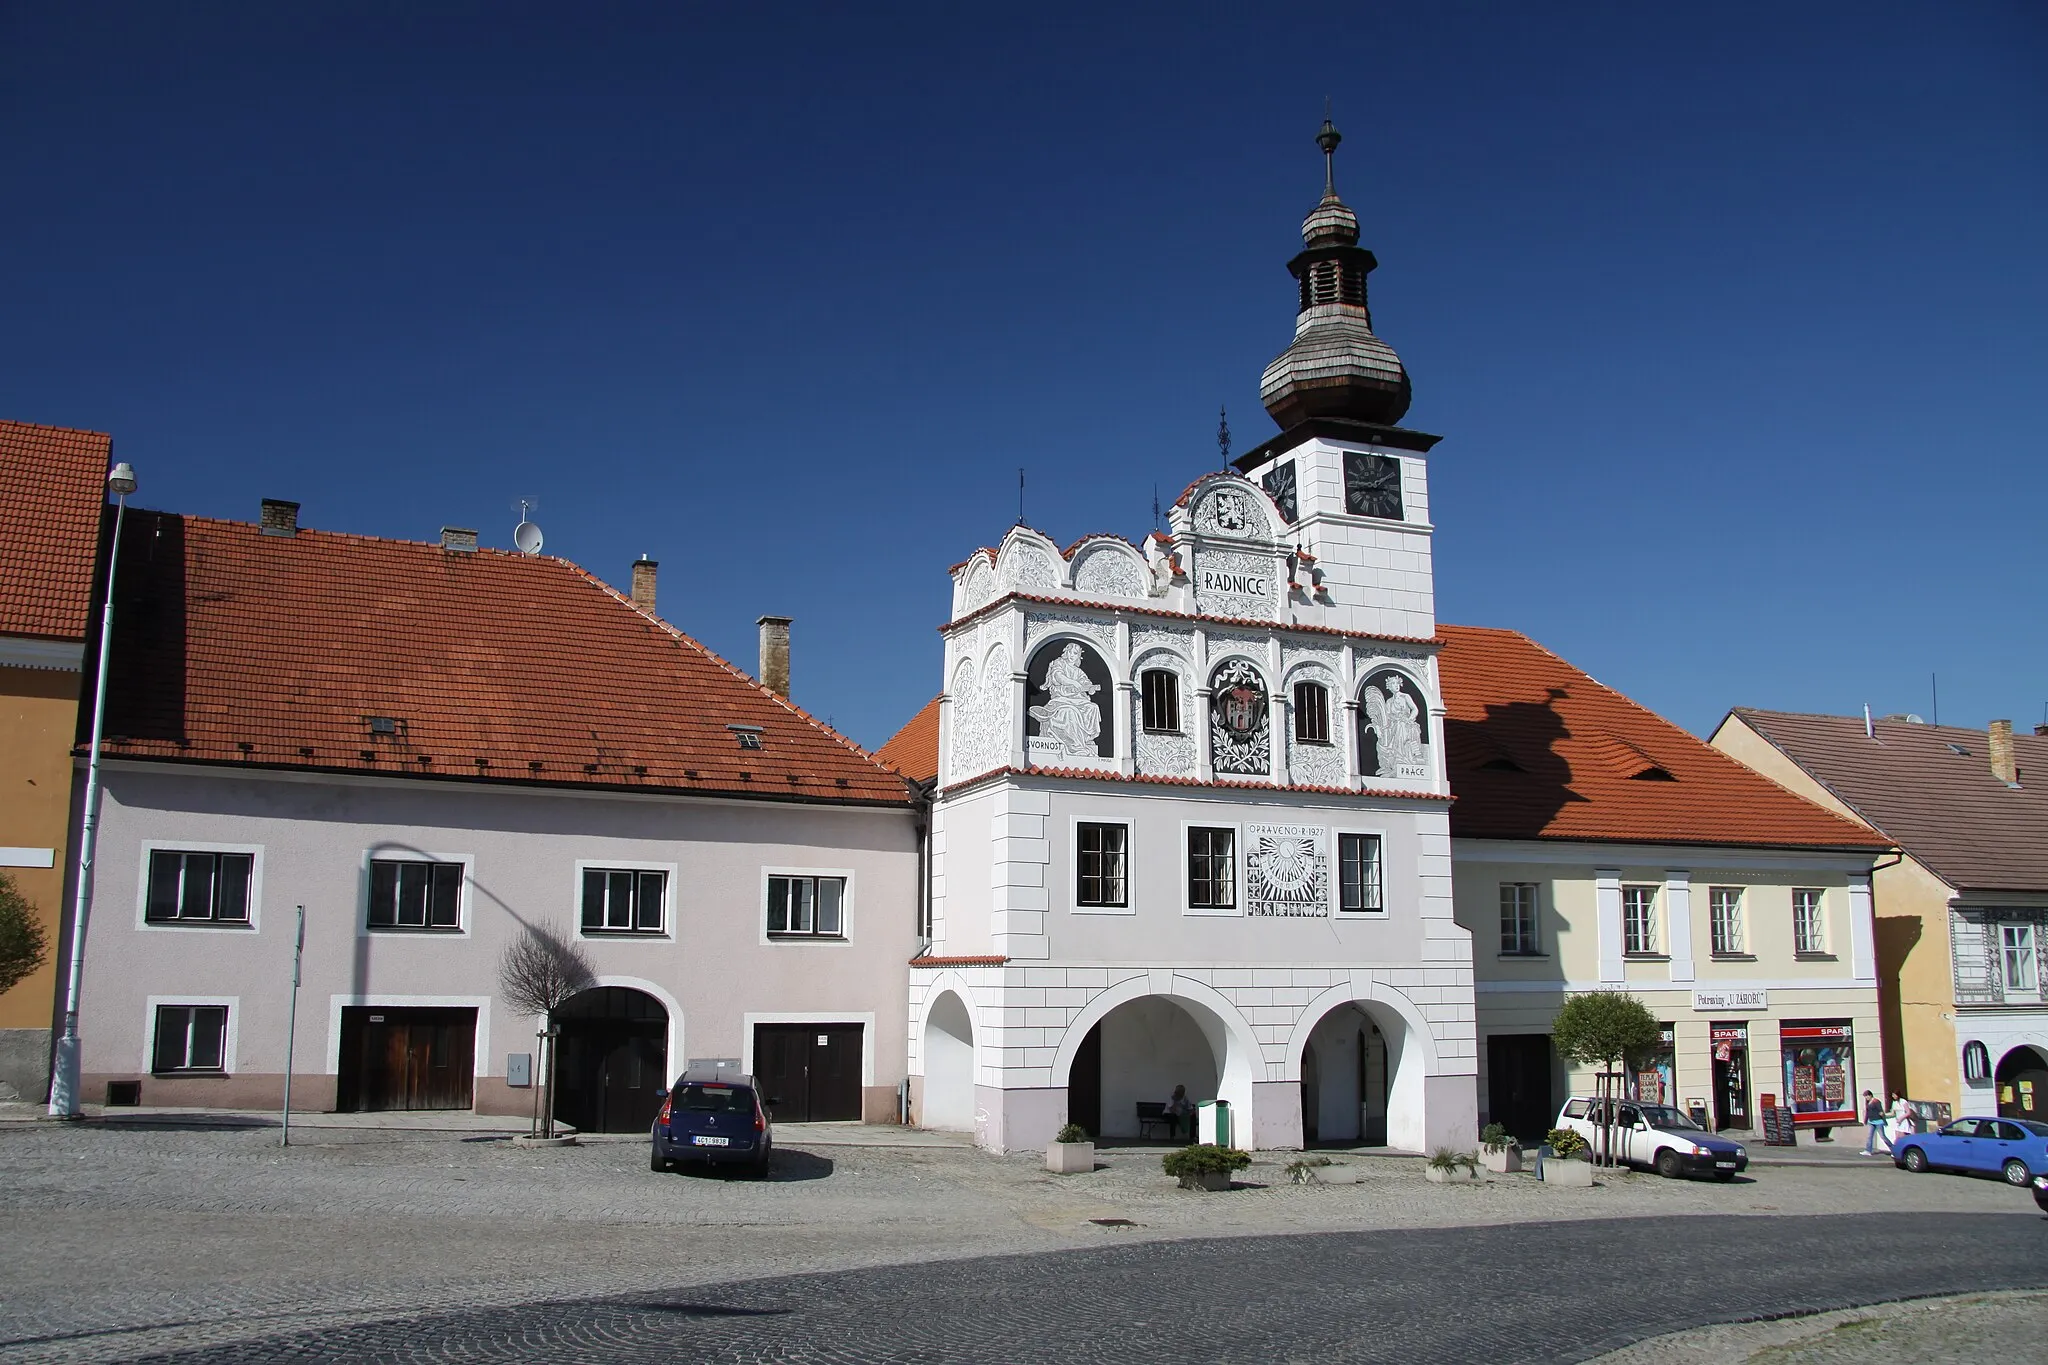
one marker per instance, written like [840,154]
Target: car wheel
[1668,1164]
[2016,1173]
[659,1163]
[1914,1160]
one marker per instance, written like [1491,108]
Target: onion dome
[1336,366]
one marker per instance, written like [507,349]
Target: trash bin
[1212,1122]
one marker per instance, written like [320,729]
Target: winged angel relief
[1395,723]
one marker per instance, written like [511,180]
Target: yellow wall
[38,723]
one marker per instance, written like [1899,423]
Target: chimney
[643,583]
[2003,765]
[280,518]
[457,540]
[775,654]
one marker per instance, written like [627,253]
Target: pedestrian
[1904,1120]
[1874,1119]
[1180,1109]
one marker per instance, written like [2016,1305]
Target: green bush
[1204,1158]
[24,946]
[1073,1132]
[1565,1143]
[1444,1159]
[1493,1137]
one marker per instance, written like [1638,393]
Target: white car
[1657,1137]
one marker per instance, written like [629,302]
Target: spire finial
[1223,434]
[1327,139]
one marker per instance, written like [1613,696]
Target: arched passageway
[948,1065]
[1362,1079]
[2022,1080]
[611,1060]
[1143,1048]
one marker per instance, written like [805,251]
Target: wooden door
[395,1058]
[809,1073]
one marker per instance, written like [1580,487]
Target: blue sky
[1731,318]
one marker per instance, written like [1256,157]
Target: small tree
[1602,1028]
[539,972]
[24,947]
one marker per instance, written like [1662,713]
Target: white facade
[1312,974]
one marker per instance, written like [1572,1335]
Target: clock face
[1372,485]
[1279,482]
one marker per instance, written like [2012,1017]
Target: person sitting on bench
[1180,1108]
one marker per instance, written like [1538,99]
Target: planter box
[1207,1180]
[1457,1175]
[1567,1171]
[1336,1174]
[1506,1161]
[1070,1158]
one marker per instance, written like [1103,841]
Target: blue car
[2014,1149]
[715,1117]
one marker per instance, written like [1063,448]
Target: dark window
[206,888]
[191,1037]
[807,907]
[415,895]
[1311,713]
[713,1099]
[1161,691]
[1212,869]
[1101,863]
[1358,872]
[622,901]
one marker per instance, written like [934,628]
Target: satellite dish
[527,537]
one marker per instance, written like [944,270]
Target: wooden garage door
[396,1058]
[809,1073]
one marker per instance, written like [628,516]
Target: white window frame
[1074,823]
[1535,948]
[1739,918]
[1650,890]
[186,926]
[230,1046]
[1814,944]
[1337,872]
[465,899]
[668,908]
[846,906]
[2033,960]
[1187,906]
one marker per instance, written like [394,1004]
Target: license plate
[711,1141]
[1725,1165]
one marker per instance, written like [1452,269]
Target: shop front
[1820,1071]
[1728,1043]
[1653,1073]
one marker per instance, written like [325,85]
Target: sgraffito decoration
[1067,704]
[1240,722]
[1393,734]
[1287,870]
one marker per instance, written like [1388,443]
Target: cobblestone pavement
[128,1240]
[1970,1330]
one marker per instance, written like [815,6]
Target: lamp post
[64,1074]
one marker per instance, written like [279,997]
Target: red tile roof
[53,483]
[235,646]
[914,750]
[1538,750]
[1931,789]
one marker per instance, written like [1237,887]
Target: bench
[1152,1114]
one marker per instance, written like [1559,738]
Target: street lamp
[64,1075]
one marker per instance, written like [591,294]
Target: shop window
[1653,1073]
[1820,1071]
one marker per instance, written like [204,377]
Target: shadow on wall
[149,633]
[1897,937]
[1509,766]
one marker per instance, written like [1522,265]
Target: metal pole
[291,1028]
[64,1075]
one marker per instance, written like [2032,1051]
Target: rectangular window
[1358,873]
[1518,920]
[415,895]
[191,1038]
[1100,865]
[1639,920]
[198,888]
[1311,713]
[2016,959]
[1212,869]
[1161,691]
[1809,924]
[1725,920]
[807,907]
[622,901]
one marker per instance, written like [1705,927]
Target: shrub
[1565,1143]
[1204,1158]
[1444,1159]
[1493,1137]
[1302,1171]
[1073,1132]
[24,947]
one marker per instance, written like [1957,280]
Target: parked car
[715,1117]
[2015,1149]
[1658,1137]
[2041,1193]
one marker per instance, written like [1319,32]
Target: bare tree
[539,972]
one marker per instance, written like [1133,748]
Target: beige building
[1962,914]
[52,488]
[1598,846]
